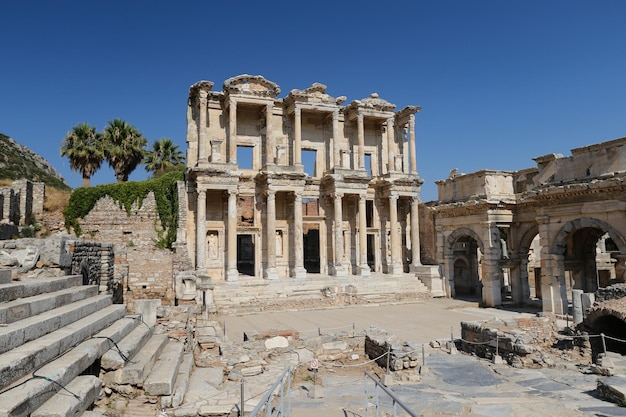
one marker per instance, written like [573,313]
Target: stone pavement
[418,322]
[462,385]
[455,385]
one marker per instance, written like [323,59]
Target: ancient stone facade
[551,228]
[253,210]
[20,204]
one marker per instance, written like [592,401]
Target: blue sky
[500,82]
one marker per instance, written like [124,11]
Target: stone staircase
[56,334]
[250,294]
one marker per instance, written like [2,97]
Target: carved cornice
[373,102]
[204,86]
[251,85]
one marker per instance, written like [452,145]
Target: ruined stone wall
[108,222]
[516,337]
[149,274]
[22,202]
[613,292]
[96,263]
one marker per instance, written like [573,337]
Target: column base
[429,275]
[298,273]
[365,271]
[232,275]
[270,273]
[340,271]
[396,269]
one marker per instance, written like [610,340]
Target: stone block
[276,342]
[148,310]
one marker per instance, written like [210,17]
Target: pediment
[252,85]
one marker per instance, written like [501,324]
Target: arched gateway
[538,232]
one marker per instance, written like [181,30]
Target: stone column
[340,269]
[201,231]
[202,139]
[491,270]
[415,235]
[297,151]
[391,160]
[364,269]
[396,261]
[298,271]
[553,288]
[270,224]
[336,144]
[412,154]
[232,274]
[523,278]
[270,150]
[232,131]
[361,138]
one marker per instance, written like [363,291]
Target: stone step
[23,331]
[20,289]
[182,382]
[136,372]
[129,346]
[163,376]
[72,401]
[32,355]
[23,308]
[26,396]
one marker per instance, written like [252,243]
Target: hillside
[17,161]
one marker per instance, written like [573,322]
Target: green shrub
[126,194]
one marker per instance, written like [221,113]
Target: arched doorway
[464,248]
[590,249]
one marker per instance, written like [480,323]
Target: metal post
[423,356]
[242,397]
[497,344]
[388,357]
[319,331]
[603,342]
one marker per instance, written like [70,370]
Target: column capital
[415,200]
[232,192]
[337,195]
[394,196]
[270,194]
[335,115]
[297,111]
[297,195]
[359,117]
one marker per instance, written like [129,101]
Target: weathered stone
[276,342]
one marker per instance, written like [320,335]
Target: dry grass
[5,182]
[56,200]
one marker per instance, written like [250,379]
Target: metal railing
[378,388]
[282,407]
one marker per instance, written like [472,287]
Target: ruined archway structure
[573,204]
[254,211]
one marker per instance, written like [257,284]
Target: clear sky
[500,82]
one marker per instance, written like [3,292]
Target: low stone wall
[402,355]
[612,292]
[517,337]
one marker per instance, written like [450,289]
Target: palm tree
[163,156]
[124,148]
[84,148]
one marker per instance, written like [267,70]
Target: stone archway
[576,243]
[462,251]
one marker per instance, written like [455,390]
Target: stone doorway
[467,283]
[311,239]
[245,254]
[371,252]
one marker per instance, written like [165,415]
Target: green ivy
[126,194]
